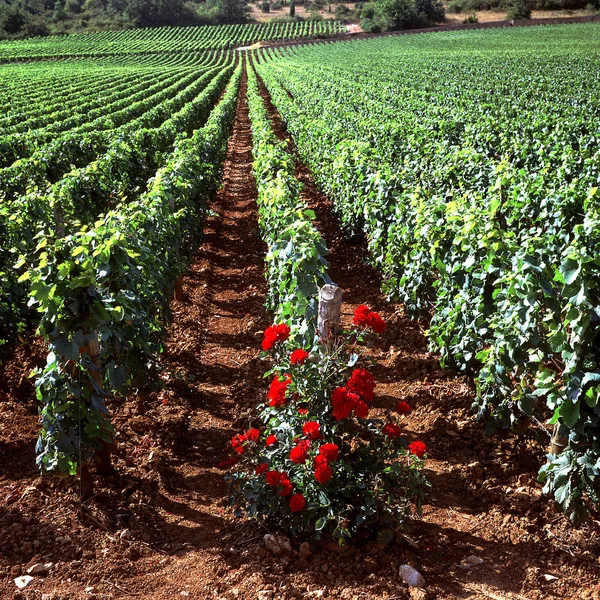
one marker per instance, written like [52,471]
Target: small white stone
[549,577]
[474,560]
[411,576]
[40,568]
[23,581]
[125,534]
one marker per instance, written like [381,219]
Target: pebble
[305,550]
[277,544]
[411,576]
[23,581]
[40,568]
[474,560]
[125,534]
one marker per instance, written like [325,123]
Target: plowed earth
[162,528]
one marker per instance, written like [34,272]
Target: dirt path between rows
[484,500]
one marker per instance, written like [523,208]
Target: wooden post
[330,310]
[178,291]
[102,458]
[558,443]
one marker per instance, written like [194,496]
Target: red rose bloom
[237,442]
[262,468]
[271,439]
[361,410]
[252,435]
[298,356]
[329,451]
[376,323]
[297,503]
[362,383]
[285,486]
[323,471]
[273,478]
[276,394]
[303,411]
[228,462]
[365,317]
[361,316]
[274,334]
[299,452]
[403,408]
[418,449]
[343,403]
[312,430]
[391,430]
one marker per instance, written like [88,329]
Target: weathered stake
[102,457]
[178,291]
[330,310]
[558,443]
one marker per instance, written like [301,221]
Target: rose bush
[321,462]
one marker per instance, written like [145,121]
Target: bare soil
[162,527]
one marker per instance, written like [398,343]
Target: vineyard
[162,40]
[172,202]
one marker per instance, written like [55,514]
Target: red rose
[312,430]
[329,451]
[361,316]
[237,442]
[362,383]
[303,411]
[376,323]
[252,435]
[276,394]
[418,449]
[361,410]
[274,334]
[403,408]
[343,403]
[228,462]
[286,485]
[262,468]
[299,452]
[298,356]
[271,439]
[391,430]
[323,471]
[273,478]
[297,503]
[365,317]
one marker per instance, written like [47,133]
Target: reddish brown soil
[161,528]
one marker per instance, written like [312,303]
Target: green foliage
[109,283]
[391,15]
[295,262]
[474,178]
[518,9]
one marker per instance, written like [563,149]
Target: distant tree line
[24,18]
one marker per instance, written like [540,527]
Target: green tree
[13,20]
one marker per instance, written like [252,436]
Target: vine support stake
[178,291]
[558,442]
[330,310]
[102,458]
